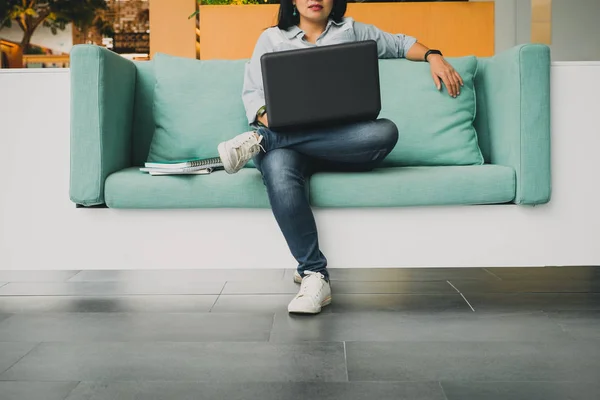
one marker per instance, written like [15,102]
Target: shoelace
[245,145]
[309,281]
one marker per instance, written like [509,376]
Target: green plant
[53,14]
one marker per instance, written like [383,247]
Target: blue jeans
[290,159]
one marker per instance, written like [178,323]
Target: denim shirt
[274,39]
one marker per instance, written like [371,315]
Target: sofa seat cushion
[385,187]
[414,186]
[130,188]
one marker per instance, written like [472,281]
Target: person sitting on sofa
[288,160]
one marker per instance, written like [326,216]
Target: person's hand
[441,70]
[264,120]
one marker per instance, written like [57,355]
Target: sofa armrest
[514,95]
[102,96]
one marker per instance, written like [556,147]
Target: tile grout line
[16,362]
[346,362]
[73,389]
[217,299]
[443,391]
[272,327]
[492,274]
[73,276]
[463,296]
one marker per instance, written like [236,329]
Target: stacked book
[194,166]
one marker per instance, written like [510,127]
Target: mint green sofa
[112,126]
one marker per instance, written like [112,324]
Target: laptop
[321,86]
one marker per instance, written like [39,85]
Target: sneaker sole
[326,302]
[224,154]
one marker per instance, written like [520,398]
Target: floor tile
[287,286]
[392,287]
[35,275]
[92,304]
[263,391]
[533,301]
[178,275]
[10,353]
[473,361]
[211,362]
[279,286]
[394,327]
[136,327]
[109,288]
[521,390]
[403,274]
[271,303]
[546,273]
[528,286]
[11,390]
[398,302]
[579,324]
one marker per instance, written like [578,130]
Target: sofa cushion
[414,186]
[434,128]
[131,188]
[197,104]
[386,187]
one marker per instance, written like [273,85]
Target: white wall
[575,27]
[505,24]
[576,30]
[41,229]
[62,42]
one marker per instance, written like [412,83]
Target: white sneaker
[235,153]
[297,277]
[314,294]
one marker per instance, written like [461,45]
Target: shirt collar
[294,31]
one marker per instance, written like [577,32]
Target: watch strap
[430,52]
[261,111]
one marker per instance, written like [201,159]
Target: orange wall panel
[171,31]
[458,29]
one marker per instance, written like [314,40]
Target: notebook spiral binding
[208,161]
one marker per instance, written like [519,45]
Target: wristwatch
[261,111]
[430,52]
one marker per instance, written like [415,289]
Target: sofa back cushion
[434,128]
[197,104]
[185,107]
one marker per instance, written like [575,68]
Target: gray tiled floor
[528,286]
[262,391]
[389,334]
[12,390]
[94,304]
[110,288]
[209,362]
[520,390]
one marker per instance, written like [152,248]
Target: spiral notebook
[198,163]
[195,166]
[204,171]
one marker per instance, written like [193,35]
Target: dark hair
[287,19]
